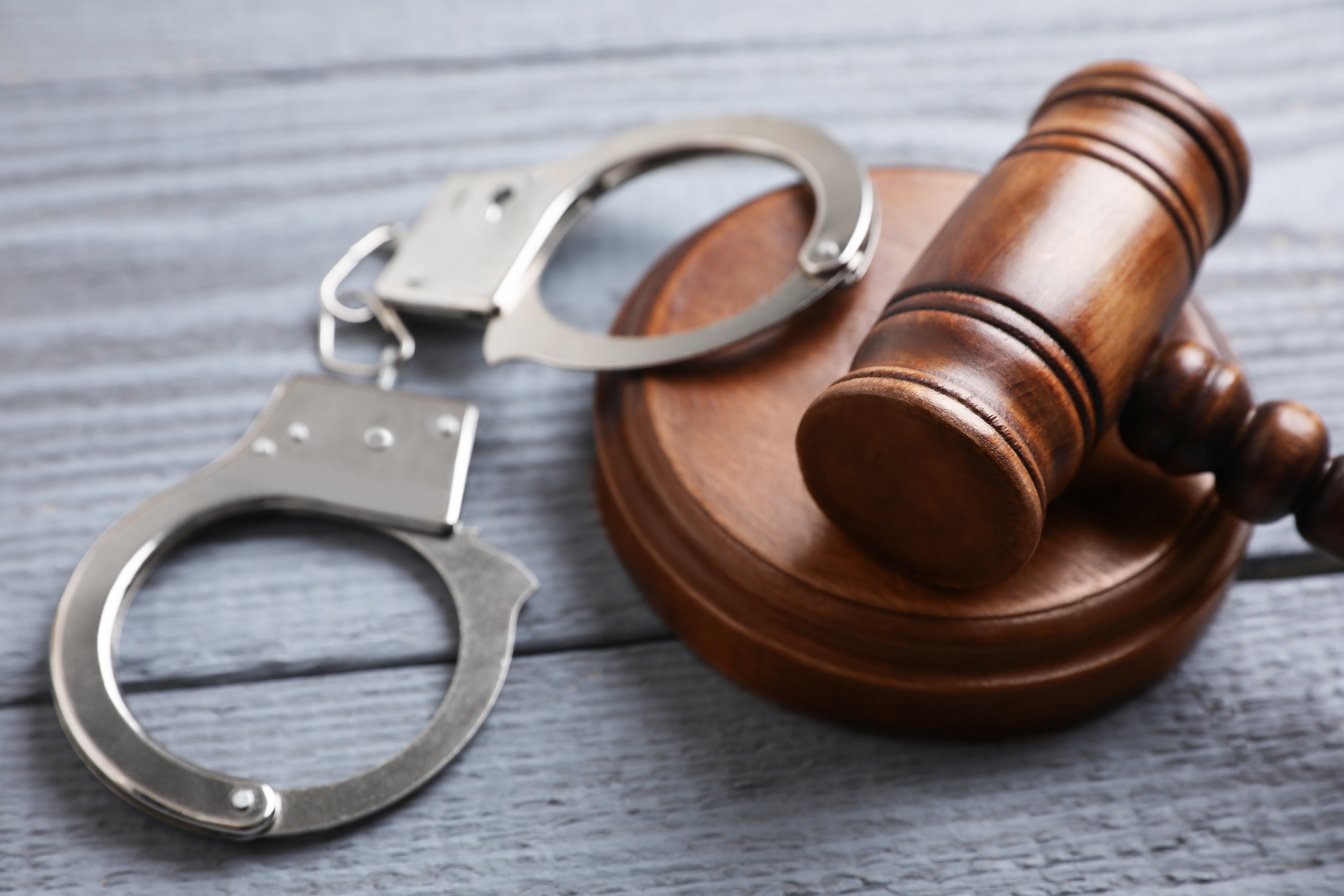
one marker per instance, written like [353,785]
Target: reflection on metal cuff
[480,246]
[393,461]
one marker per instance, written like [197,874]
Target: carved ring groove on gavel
[1032,323]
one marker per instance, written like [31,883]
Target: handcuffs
[397,462]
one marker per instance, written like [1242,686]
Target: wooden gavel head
[1016,340]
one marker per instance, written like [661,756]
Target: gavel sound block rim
[700,492]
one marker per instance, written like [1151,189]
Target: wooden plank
[638,770]
[170,193]
[113,425]
[149,41]
[170,188]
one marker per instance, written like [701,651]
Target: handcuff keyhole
[495,210]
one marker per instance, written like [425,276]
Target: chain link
[336,306]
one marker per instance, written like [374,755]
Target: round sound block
[701,493]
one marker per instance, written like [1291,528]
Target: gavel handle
[1192,412]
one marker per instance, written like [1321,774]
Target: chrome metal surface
[390,360]
[307,453]
[397,462]
[479,248]
[381,240]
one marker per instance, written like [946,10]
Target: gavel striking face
[1034,321]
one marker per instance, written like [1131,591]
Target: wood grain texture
[171,186]
[1014,339]
[1192,412]
[638,770]
[203,203]
[703,497]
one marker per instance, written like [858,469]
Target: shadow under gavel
[1035,320]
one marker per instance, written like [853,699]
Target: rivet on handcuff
[397,462]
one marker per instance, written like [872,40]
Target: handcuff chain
[381,240]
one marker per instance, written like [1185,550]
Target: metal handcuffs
[397,462]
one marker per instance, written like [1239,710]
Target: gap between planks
[1253,569]
[261,674]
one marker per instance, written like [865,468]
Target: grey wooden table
[174,179]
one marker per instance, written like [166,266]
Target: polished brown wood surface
[702,496]
[1011,344]
[1192,412]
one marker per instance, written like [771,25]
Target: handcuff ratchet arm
[395,462]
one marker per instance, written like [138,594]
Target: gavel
[1035,321]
